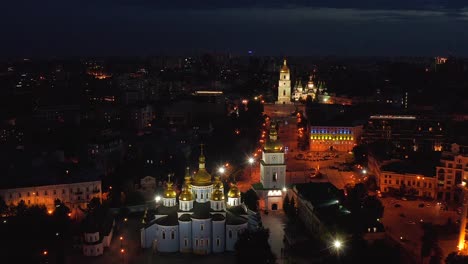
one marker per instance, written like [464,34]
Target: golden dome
[170,192]
[202,177]
[186,195]
[273,144]
[285,68]
[234,191]
[217,195]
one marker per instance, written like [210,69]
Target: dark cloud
[143,27]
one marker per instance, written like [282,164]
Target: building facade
[453,168]
[337,138]
[200,221]
[424,186]
[272,173]
[73,195]
[284,85]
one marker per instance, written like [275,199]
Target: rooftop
[320,194]
[410,167]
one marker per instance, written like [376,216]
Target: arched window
[275,176]
[230,233]
[284,92]
[172,235]
[163,235]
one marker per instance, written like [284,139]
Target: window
[230,233]
[385,181]
[284,92]
[425,184]
[45,193]
[55,192]
[19,195]
[29,201]
[63,191]
[11,195]
[202,196]
[202,227]
[196,242]
[390,182]
[29,194]
[397,182]
[217,242]
[201,242]
[87,189]
[430,185]
[417,184]
[275,176]
[172,235]
[164,235]
[185,242]
[449,182]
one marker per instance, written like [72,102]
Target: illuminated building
[424,186]
[407,132]
[272,173]
[284,85]
[201,221]
[453,168]
[315,91]
[334,138]
[75,187]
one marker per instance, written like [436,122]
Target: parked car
[397,205]
[421,205]
[411,222]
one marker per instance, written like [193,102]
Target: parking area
[402,221]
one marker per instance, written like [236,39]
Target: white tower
[272,165]
[284,85]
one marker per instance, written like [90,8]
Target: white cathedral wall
[267,172]
[201,236]
[218,236]
[185,205]
[233,201]
[232,234]
[202,193]
[169,202]
[217,205]
[185,237]
[148,235]
[167,238]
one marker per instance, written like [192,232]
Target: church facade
[200,221]
[288,94]
[272,186]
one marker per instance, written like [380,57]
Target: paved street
[275,221]
[404,222]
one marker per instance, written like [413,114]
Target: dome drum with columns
[202,222]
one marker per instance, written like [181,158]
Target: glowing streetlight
[157,198]
[221,170]
[337,244]
[251,160]
[364,171]
[284,189]
[45,252]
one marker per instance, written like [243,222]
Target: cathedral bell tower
[284,85]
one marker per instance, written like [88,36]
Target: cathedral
[200,220]
[315,91]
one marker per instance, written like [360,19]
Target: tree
[251,200]
[292,209]
[455,258]
[3,206]
[253,247]
[402,189]
[429,240]
[286,204]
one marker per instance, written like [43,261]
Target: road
[405,222]
[275,221]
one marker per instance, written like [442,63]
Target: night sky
[268,27]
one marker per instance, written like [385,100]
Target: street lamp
[251,162]
[364,171]
[221,170]
[337,244]
[157,198]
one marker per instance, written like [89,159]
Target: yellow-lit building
[338,138]
[424,185]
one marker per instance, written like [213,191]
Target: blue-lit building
[334,138]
